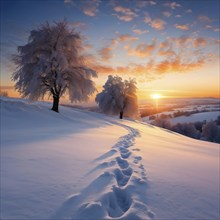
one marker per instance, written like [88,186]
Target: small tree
[52,62]
[118,97]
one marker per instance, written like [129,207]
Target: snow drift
[84,165]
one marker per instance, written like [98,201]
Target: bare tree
[52,63]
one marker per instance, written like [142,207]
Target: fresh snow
[78,164]
[202,116]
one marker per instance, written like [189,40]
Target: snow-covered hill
[82,165]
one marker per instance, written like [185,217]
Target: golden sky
[170,47]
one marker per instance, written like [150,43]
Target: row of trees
[53,63]
[209,131]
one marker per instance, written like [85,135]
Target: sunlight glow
[156,96]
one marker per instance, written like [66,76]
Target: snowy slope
[83,165]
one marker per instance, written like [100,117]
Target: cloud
[182,42]
[199,42]
[186,42]
[152,2]
[126,37]
[139,70]
[184,27]
[174,55]
[90,8]
[165,45]
[158,24]
[189,10]
[166,49]
[106,53]
[142,50]
[139,31]
[143,3]
[178,66]
[178,16]
[78,24]
[215,29]
[172,5]
[167,53]
[166,14]
[147,18]
[204,19]
[151,70]
[125,14]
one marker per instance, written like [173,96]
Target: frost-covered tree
[187,129]
[119,97]
[210,131]
[162,123]
[53,63]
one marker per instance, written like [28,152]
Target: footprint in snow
[122,163]
[137,159]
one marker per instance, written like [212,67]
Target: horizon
[170,47]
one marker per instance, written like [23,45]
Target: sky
[170,47]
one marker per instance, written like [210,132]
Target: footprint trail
[119,192]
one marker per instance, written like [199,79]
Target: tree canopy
[118,97]
[53,63]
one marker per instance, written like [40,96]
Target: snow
[202,116]
[83,165]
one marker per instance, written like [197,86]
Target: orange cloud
[168,53]
[158,24]
[139,32]
[126,37]
[177,66]
[182,42]
[102,69]
[198,42]
[125,14]
[147,18]
[182,27]
[142,50]
[106,53]
[90,8]
[164,44]
[175,55]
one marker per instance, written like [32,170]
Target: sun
[156,96]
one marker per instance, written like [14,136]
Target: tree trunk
[121,115]
[55,103]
